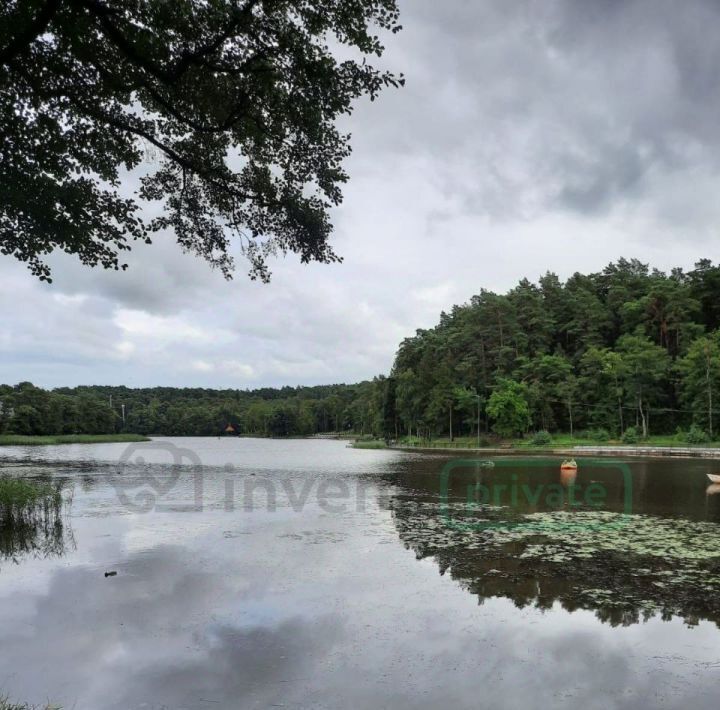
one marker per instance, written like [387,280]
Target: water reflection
[568,477]
[34,520]
[300,606]
[624,568]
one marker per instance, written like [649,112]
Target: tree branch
[192,58]
[180,160]
[103,13]
[26,37]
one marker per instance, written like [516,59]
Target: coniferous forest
[629,351]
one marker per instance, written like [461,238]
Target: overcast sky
[531,136]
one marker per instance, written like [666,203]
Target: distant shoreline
[636,451]
[56,440]
[654,451]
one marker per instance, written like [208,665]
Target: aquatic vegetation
[625,567]
[31,519]
[19,493]
[584,533]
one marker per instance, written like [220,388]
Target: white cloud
[139,324]
[236,370]
[125,348]
[202,366]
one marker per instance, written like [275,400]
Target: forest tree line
[169,411]
[626,349]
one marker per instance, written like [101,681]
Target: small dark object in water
[111,574]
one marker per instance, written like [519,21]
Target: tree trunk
[642,416]
[709,392]
[570,415]
[451,434]
[710,412]
[484,368]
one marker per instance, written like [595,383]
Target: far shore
[650,449]
[54,440]
[640,451]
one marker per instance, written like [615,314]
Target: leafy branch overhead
[239,101]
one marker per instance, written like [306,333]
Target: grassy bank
[558,440]
[565,440]
[19,440]
[369,444]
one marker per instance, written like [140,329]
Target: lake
[254,573]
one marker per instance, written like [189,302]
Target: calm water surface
[304,574]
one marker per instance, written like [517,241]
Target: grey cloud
[531,135]
[160,277]
[583,97]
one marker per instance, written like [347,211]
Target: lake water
[305,574]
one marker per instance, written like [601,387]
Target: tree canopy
[509,408]
[238,101]
[172,411]
[628,346]
[604,352]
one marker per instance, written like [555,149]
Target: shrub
[599,434]
[410,441]
[630,436]
[508,408]
[364,444]
[695,435]
[541,438]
